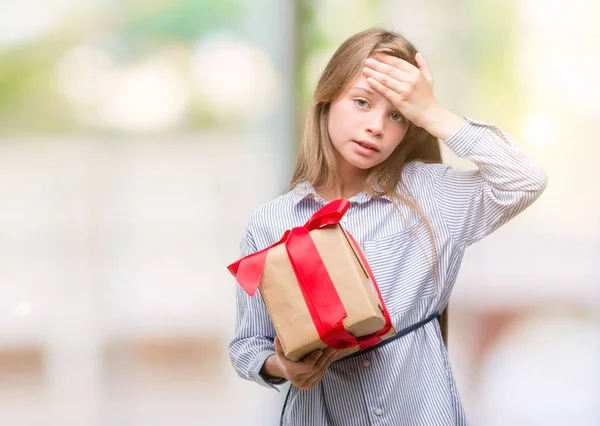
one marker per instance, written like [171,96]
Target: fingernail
[369,61]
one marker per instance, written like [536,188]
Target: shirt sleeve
[474,203]
[254,331]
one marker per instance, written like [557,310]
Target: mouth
[367,145]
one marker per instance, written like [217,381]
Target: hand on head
[409,88]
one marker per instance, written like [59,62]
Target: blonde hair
[316,162]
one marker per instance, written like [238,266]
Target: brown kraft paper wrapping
[283,297]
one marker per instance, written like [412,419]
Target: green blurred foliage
[495,32]
[183,21]
[30,102]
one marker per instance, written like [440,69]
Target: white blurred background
[136,139]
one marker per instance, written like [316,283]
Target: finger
[312,380]
[424,66]
[385,69]
[389,82]
[392,95]
[329,352]
[304,367]
[310,361]
[278,347]
[394,61]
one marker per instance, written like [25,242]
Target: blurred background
[136,138]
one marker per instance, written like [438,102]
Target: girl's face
[364,126]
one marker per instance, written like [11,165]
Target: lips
[368,145]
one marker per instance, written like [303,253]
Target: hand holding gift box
[318,288]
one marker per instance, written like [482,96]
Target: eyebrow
[370,92]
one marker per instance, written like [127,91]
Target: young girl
[371,137]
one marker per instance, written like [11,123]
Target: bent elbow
[539,181]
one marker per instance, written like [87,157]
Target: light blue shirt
[409,381]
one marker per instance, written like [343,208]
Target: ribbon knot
[248,270]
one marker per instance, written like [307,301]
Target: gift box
[318,288]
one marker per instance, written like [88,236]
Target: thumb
[424,67]
[278,347]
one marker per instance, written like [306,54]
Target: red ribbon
[324,304]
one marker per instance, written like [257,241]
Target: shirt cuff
[255,368]
[466,135]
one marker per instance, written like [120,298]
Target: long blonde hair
[316,162]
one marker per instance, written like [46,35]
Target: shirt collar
[305,190]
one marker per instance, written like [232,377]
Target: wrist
[441,122]
[431,115]
[273,368]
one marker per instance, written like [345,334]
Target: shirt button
[344,219]
[366,362]
[378,411]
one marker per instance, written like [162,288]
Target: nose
[375,124]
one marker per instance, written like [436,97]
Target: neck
[350,182]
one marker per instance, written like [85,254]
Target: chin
[363,163]
[365,166]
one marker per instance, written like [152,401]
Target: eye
[396,117]
[361,102]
